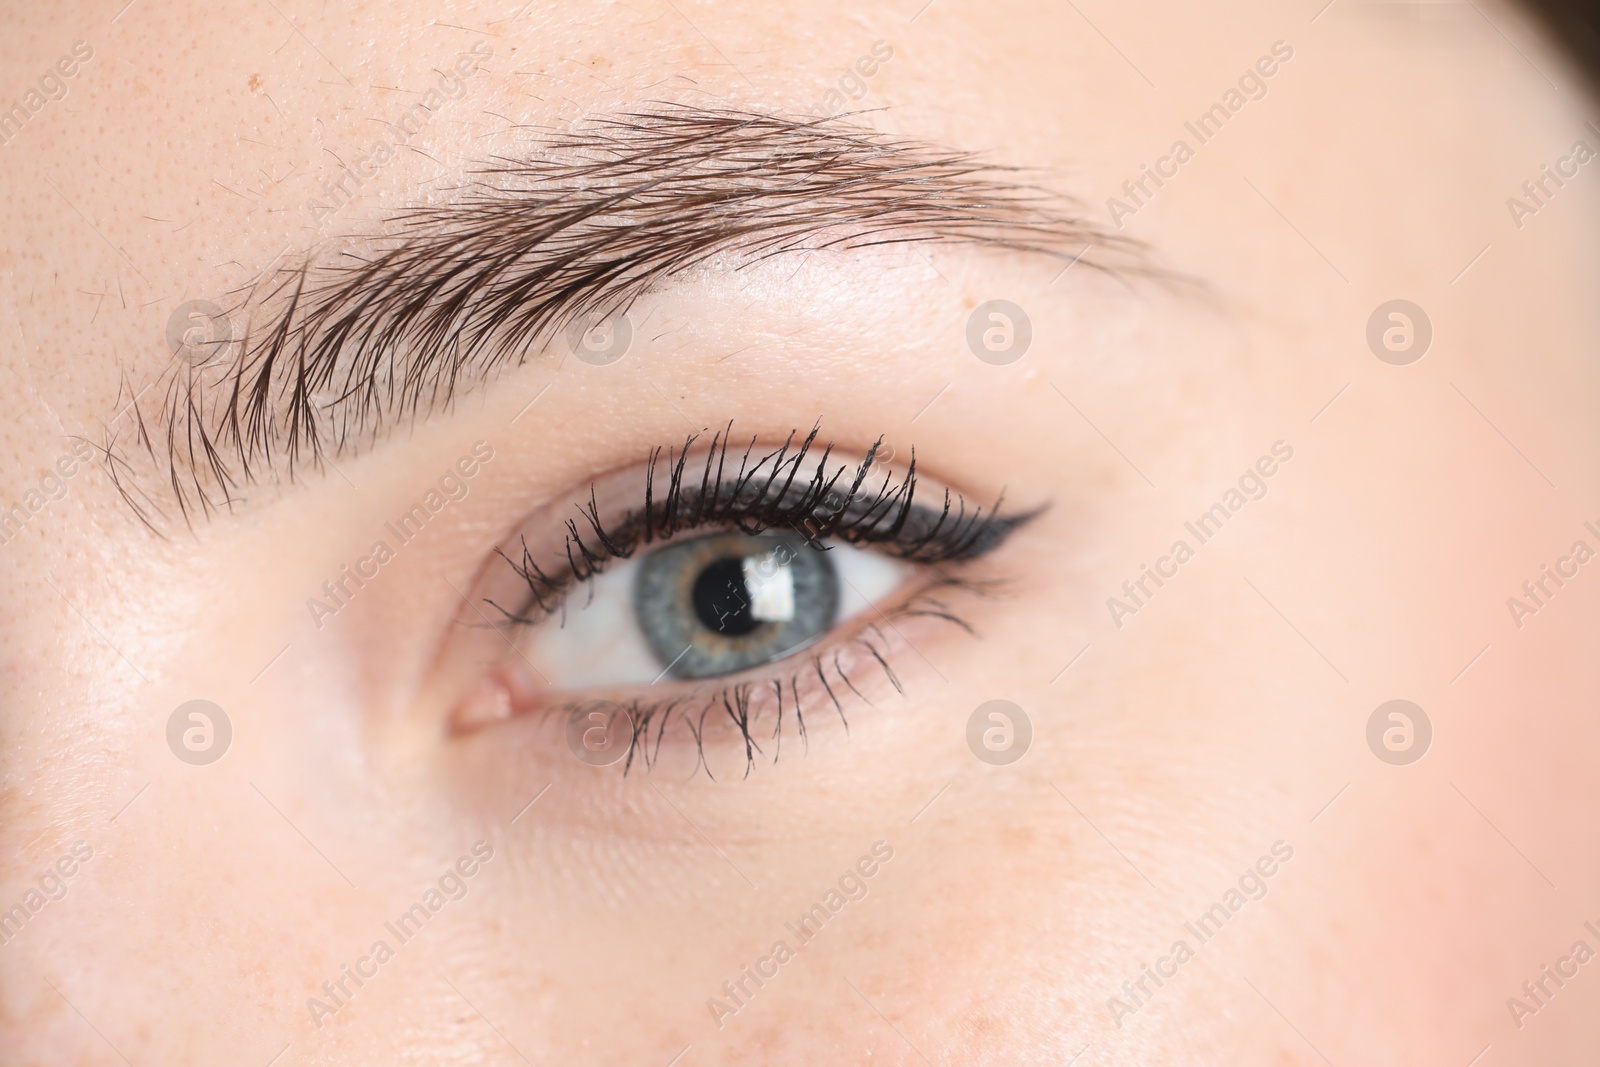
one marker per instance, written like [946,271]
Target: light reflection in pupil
[721,600]
[717,605]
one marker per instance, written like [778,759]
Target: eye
[721,604]
[707,607]
[754,581]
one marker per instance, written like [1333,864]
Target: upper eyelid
[562,584]
[605,214]
[955,530]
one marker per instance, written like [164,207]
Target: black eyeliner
[767,493]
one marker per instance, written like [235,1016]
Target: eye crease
[735,582]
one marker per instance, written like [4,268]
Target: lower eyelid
[723,726]
[725,729]
[851,668]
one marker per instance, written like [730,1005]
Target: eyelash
[768,494]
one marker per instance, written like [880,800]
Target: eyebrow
[335,351]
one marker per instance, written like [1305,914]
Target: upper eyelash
[766,494]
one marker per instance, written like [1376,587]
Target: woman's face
[1285,413]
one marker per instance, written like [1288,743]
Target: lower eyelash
[820,675]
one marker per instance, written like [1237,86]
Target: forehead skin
[1228,715]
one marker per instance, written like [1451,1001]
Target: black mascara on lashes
[769,493]
[766,494]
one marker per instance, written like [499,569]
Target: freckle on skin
[255,83]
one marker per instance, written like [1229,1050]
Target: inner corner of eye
[705,607]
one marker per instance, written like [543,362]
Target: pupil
[721,600]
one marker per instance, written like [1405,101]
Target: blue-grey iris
[721,604]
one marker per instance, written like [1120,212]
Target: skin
[1169,753]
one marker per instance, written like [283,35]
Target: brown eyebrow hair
[334,353]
